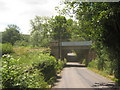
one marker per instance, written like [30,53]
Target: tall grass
[30,55]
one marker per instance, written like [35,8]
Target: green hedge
[6,48]
[38,74]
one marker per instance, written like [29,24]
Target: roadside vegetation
[98,22]
[106,72]
[26,60]
[29,68]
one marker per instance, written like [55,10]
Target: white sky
[20,12]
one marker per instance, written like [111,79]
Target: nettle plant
[17,76]
[9,71]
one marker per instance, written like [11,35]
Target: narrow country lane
[75,75]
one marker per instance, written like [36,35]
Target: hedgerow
[40,74]
[6,48]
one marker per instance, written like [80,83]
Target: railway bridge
[82,51]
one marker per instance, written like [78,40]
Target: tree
[100,22]
[36,38]
[40,34]
[11,35]
[60,29]
[25,37]
[24,41]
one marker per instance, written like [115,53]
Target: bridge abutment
[82,49]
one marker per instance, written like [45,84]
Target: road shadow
[58,77]
[74,65]
[109,86]
[57,80]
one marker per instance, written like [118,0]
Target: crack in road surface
[75,75]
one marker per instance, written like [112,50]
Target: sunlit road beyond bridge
[75,75]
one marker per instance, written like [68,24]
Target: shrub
[7,48]
[93,63]
[48,67]
[30,68]
[21,43]
[60,65]
[14,76]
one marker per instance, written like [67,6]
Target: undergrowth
[29,68]
[106,72]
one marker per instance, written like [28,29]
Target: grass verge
[111,77]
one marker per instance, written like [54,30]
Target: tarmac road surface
[75,75]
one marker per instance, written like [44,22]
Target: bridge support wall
[83,52]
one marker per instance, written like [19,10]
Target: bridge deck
[82,43]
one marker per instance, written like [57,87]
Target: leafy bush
[49,67]
[60,65]
[45,42]
[7,48]
[32,69]
[108,68]
[21,43]
[14,76]
[93,63]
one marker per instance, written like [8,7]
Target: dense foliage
[15,76]
[6,48]
[40,31]
[24,41]
[59,29]
[29,69]
[11,35]
[100,23]
[44,30]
